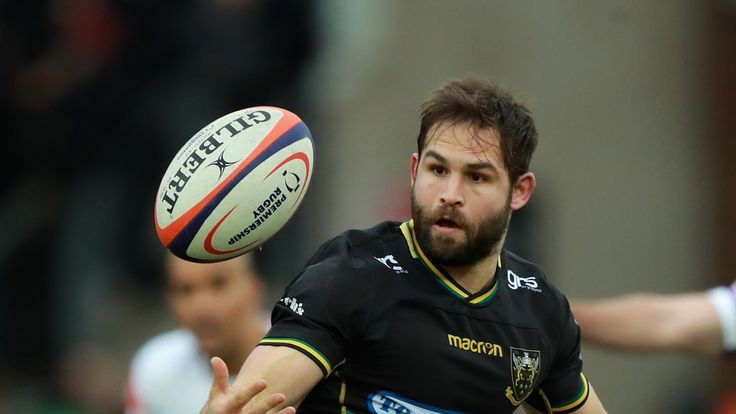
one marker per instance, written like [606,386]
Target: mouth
[205,329]
[447,225]
[446,222]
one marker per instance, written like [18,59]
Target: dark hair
[484,106]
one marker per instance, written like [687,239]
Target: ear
[523,190]
[256,291]
[414,167]
[168,294]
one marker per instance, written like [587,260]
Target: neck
[476,277]
[249,340]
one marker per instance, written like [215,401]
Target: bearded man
[431,315]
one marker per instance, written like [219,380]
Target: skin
[685,323]
[220,303]
[455,168]
[469,174]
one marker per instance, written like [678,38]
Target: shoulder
[161,356]
[523,274]
[356,252]
[527,280]
[348,269]
[355,243]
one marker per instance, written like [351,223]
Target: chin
[209,347]
[445,242]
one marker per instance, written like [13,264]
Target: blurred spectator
[96,96]
[218,307]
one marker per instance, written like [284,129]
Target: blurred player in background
[697,322]
[218,309]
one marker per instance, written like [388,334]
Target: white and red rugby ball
[234,184]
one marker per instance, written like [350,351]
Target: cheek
[183,311]
[424,188]
[236,304]
[485,206]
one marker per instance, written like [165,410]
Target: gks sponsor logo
[518,282]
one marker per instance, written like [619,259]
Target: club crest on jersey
[525,365]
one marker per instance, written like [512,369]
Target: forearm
[272,380]
[286,371]
[647,322]
[624,322]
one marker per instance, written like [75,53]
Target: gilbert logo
[391,263]
[208,145]
[221,164]
[516,282]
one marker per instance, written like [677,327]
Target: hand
[233,401]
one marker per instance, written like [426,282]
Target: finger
[222,377]
[238,398]
[288,410]
[262,407]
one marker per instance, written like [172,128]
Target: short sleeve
[133,400]
[324,309]
[724,301]
[565,389]
[135,397]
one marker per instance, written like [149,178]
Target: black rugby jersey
[394,333]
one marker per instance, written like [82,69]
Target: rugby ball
[234,184]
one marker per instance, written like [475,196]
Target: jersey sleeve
[134,391]
[565,389]
[133,400]
[724,301]
[324,309]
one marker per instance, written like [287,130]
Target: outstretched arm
[650,322]
[272,380]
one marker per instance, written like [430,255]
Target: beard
[480,236]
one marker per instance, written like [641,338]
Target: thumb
[222,377]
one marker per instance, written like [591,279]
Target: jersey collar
[481,297]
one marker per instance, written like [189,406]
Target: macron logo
[391,263]
[516,282]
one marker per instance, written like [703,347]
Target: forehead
[180,271]
[465,141]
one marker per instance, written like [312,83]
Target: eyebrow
[471,166]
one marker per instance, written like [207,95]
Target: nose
[202,302]
[452,192]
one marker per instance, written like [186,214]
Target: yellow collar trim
[407,229]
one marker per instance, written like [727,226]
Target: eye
[438,170]
[218,283]
[477,178]
[181,290]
